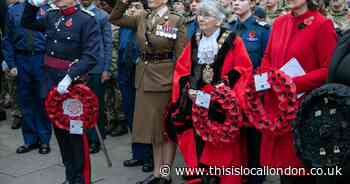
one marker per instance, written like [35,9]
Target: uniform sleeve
[324,48]
[29,19]
[91,47]
[107,43]
[117,16]
[181,39]
[7,43]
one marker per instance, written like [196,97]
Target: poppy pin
[42,12]
[69,23]
[252,36]
[308,21]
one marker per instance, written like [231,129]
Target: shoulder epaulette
[263,24]
[174,13]
[52,9]
[88,12]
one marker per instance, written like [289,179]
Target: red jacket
[311,39]
[231,154]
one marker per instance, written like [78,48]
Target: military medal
[69,23]
[207,74]
[166,30]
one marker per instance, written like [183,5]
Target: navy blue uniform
[3,12]
[255,36]
[72,47]
[24,49]
[128,53]
[104,63]
[191,27]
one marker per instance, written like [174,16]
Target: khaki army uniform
[153,80]
[341,20]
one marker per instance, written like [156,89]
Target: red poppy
[84,107]
[219,132]
[280,105]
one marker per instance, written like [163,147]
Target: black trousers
[298,180]
[253,147]
[73,151]
[2,111]
[332,179]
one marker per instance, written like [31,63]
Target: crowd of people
[155,67]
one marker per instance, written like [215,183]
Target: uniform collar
[339,13]
[91,7]
[249,21]
[70,10]
[161,12]
[10,5]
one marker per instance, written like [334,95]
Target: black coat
[3,13]
[340,66]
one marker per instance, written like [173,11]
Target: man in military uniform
[116,118]
[179,7]
[255,35]
[24,53]
[100,73]
[273,10]
[73,47]
[339,13]
[9,88]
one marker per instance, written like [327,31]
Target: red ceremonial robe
[226,155]
[311,39]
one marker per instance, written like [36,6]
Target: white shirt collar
[208,48]
[214,36]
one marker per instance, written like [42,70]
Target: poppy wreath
[275,115]
[85,105]
[215,131]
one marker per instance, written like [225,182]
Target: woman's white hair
[214,8]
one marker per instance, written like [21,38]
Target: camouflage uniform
[341,20]
[272,15]
[8,93]
[282,9]
[113,95]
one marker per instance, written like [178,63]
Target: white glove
[13,72]
[37,3]
[62,87]
[4,66]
